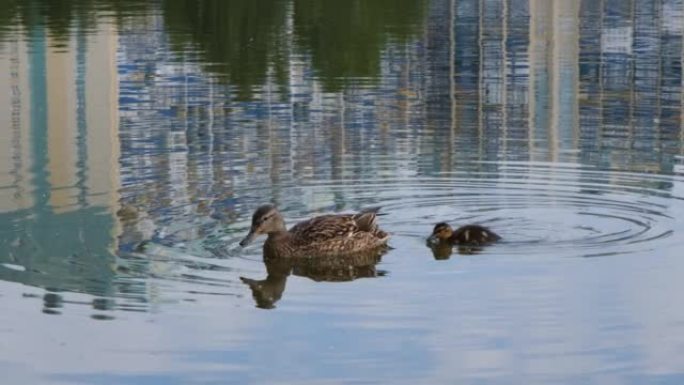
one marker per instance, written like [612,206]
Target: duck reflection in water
[469,239]
[337,268]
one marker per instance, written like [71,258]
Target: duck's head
[441,232]
[266,219]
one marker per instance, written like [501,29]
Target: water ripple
[542,210]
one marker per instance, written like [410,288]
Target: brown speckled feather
[354,242]
[323,228]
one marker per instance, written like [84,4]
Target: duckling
[468,235]
[330,234]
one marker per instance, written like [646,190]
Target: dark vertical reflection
[616,72]
[516,46]
[590,65]
[438,85]
[467,62]
[671,79]
[491,71]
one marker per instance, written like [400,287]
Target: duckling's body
[473,235]
[322,235]
[468,235]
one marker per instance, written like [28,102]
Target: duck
[468,235]
[324,235]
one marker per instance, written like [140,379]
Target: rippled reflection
[137,139]
[443,251]
[268,291]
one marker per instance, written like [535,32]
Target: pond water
[137,139]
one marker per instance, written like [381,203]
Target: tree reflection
[345,38]
[238,39]
[244,39]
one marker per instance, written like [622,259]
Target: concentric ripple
[550,210]
[539,209]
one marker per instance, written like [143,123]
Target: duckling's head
[441,232]
[266,219]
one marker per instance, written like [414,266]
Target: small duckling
[468,235]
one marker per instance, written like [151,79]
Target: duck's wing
[354,243]
[342,231]
[324,228]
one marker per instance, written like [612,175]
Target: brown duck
[332,234]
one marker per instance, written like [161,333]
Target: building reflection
[60,163]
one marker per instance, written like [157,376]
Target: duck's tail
[366,219]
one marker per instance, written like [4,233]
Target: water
[137,139]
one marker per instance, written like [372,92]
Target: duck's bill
[432,240]
[248,239]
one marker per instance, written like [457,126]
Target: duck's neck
[278,243]
[278,225]
[280,235]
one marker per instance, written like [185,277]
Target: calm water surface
[136,140]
